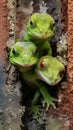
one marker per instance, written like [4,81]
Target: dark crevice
[56,9]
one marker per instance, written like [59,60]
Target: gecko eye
[13,51]
[42,64]
[31,23]
[53,24]
[36,51]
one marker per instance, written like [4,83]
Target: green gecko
[50,70]
[37,73]
[40,29]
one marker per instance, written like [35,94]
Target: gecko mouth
[47,80]
[21,64]
[40,35]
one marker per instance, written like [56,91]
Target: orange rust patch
[65,14]
[3,29]
[70,44]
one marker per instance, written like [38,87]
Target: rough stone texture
[65,107]
[13,109]
[11,5]
[10,109]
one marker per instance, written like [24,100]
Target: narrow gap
[61,25]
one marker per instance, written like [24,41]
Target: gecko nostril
[14,52]
[46,32]
[40,30]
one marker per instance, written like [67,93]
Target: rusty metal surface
[70,58]
[70,44]
[3,28]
